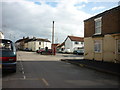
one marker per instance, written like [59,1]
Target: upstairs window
[98,45]
[76,42]
[98,25]
[82,43]
[39,43]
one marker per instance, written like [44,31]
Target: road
[40,71]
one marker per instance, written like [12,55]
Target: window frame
[98,43]
[99,25]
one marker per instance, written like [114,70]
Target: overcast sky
[20,18]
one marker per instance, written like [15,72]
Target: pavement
[107,67]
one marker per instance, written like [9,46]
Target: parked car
[7,55]
[40,50]
[27,49]
[47,52]
[78,52]
[66,51]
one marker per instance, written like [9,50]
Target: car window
[5,45]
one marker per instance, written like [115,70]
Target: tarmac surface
[45,71]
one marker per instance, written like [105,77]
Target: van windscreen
[6,45]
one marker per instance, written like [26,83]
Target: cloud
[98,8]
[27,18]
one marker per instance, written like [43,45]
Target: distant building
[38,43]
[61,47]
[20,44]
[1,35]
[102,36]
[32,44]
[72,43]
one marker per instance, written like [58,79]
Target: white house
[1,35]
[38,43]
[32,43]
[73,43]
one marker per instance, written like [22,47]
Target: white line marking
[22,69]
[23,72]
[24,77]
[46,83]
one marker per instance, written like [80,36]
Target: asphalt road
[55,74]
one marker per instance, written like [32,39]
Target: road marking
[81,65]
[14,79]
[24,77]
[23,72]
[68,63]
[22,68]
[46,83]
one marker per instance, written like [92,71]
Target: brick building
[102,36]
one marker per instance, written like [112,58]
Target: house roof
[75,38]
[40,39]
[37,39]
[26,40]
[20,40]
[62,44]
[101,14]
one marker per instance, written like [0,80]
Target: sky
[33,18]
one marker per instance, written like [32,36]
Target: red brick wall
[110,23]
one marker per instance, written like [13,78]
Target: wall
[88,48]
[77,45]
[110,23]
[71,45]
[25,45]
[109,50]
[68,44]
[47,44]
[34,45]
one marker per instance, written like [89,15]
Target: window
[39,43]
[98,23]
[76,42]
[81,42]
[118,46]
[98,45]
[5,45]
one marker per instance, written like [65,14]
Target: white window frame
[98,45]
[118,46]
[99,26]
